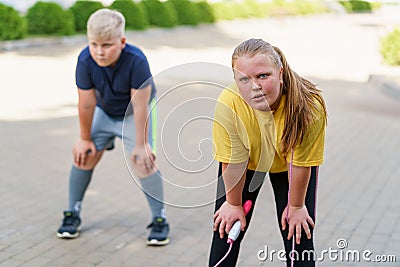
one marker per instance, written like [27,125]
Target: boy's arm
[140,102]
[86,106]
[142,154]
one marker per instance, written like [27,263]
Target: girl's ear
[281,75]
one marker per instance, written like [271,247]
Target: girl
[272,121]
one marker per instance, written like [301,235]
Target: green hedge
[161,14]
[356,6]
[12,25]
[255,9]
[135,14]
[186,12]
[390,47]
[49,18]
[204,12]
[82,11]
[309,7]
[224,10]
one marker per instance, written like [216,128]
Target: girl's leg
[280,186]
[219,247]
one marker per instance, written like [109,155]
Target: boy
[115,90]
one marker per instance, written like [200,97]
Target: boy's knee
[91,161]
[142,173]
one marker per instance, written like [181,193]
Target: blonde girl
[273,120]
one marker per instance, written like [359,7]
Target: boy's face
[106,52]
[258,80]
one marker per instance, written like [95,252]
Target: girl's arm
[234,176]
[297,216]
[299,184]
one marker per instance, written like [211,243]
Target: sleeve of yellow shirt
[228,146]
[310,152]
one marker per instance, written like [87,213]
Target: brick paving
[358,186]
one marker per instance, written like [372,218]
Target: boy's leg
[151,185]
[78,182]
[80,178]
[219,247]
[153,189]
[280,186]
[103,137]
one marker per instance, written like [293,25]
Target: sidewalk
[358,188]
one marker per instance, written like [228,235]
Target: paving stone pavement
[358,204]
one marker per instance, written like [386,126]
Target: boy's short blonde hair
[105,24]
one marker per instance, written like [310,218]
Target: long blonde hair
[300,93]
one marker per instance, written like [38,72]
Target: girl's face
[258,80]
[106,52]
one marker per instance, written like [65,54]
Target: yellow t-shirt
[241,133]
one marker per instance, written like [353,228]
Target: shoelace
[157,227]
[68,220]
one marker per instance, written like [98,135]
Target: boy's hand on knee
[81,151]
[143,160]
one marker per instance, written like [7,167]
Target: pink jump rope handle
[247,206]
[235,230]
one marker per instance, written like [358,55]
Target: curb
[39,42]
[388,85]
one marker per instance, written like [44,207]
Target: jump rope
[235,230]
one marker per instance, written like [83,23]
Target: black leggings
[280,186]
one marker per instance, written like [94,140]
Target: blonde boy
[115,90]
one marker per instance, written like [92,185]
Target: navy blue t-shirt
[113,84]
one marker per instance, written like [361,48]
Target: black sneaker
[70,225]
[159,232]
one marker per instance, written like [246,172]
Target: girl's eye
[263,76]
[244,80]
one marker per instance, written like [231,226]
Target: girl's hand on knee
[226,216]
[298,219]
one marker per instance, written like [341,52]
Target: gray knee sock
[78,182]
[153,189]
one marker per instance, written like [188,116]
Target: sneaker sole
[66,235]
[155,242]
